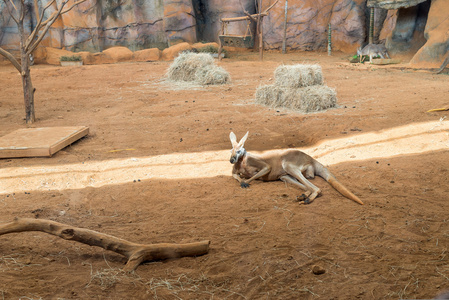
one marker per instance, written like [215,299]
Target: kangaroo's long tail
[323,172]
[343,190]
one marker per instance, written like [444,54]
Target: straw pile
[296,76]
[198,68]
[297,87]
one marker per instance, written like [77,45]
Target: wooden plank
[45,141]
[385,61]
[236,19]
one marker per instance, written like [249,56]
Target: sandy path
[410,139]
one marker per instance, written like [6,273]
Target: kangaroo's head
[237,150]
[359,51]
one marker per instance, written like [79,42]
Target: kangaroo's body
[291,166]
[373,50]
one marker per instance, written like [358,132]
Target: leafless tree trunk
[29,42]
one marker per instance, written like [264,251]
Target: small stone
[318,270]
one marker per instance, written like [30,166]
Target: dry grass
[297,87]
[198,68]
[308,99]
[296,76]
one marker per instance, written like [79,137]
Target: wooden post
[260,27]
[371,26]
[220,46]
[284,40]
[329,40]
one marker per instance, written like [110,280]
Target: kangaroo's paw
[304,201]
[301,198]
[244,185]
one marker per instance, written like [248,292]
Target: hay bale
[211,75]
[270,95]
[197,68]
[307,99]
[296,76]
[316,98]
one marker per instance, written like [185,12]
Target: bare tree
[29,41]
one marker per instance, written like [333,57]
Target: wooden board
[385,61]
[32,142]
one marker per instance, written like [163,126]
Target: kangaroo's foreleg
[239,179]
[261,173]
[296,172]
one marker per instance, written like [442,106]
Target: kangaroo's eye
[239,151]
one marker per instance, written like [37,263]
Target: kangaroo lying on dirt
[372,50]
[286,165]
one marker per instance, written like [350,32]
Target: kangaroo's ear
[243,140]
[233,138]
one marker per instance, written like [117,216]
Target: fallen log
[135,253]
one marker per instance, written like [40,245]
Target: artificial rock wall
[96,25]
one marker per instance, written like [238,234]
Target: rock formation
[419,26]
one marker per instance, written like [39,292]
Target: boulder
[171,52]
[87,57]
[99,58]
[202,45]
[436,32]
[53,55]
[119,54]
[152,54]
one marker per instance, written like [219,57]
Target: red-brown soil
[263,244]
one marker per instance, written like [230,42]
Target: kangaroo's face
[237,150]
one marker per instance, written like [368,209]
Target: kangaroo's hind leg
[292,180]
[296,172]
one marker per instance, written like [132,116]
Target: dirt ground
[155,168]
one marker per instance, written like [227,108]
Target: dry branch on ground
[135,253]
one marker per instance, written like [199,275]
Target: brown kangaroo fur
[289,166]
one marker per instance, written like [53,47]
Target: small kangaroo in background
[286,165]
[373,50]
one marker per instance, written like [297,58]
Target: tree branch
[38,25]
[22,11]
[73,5]
[11,58]
[48,23]
[135,253]
[10,12]
[13,5]
[270,7]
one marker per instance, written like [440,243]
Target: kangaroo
[443,66]
[286,165]
[372,50]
